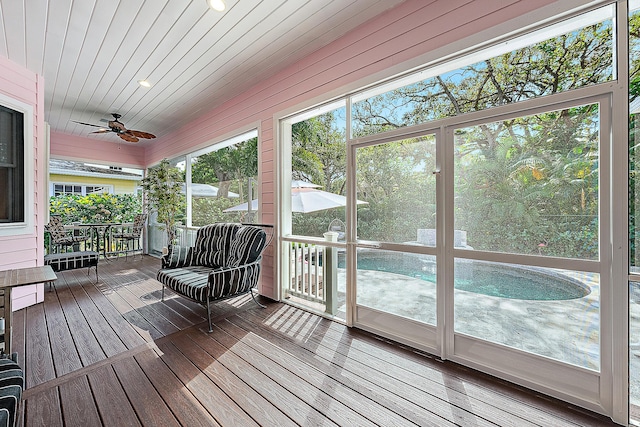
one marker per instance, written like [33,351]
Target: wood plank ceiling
[92,53]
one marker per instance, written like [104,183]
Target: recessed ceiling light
[144,83]
[216,5]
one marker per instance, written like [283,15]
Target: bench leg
[209,315]
[255,300]
[89,271]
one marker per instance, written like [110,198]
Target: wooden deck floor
[113,354]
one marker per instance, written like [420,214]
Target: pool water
[498,280]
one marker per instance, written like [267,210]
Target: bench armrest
[178,256]
[226,281]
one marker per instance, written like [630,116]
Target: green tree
[319,151]
[236,163]
[521,184]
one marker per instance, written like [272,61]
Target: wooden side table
[9,279]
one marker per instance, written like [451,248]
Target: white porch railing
[312,274]
[157,237]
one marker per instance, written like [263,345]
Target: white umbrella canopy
[205,190]
[297,183]
[305,198]
[243,207]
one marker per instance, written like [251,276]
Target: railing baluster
[305,272]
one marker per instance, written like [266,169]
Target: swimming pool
[493,279]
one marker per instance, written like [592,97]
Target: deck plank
[19,323]
[154,317]
[38,364]
[78,406]
[113,404]
[88,347]
[100,326]
[309,383]
[126,332]
[518,402]
[150,291]
[458,407]
[63,349]
[182,403]
[43,409]
[289,403]
[148,404]
[369,388]
[145,329]
[145,295]
[371,355]
[253,403]
[225,411]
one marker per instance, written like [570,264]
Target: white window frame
[28,225]
[108,187]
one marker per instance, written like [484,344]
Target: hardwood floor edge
[31,391]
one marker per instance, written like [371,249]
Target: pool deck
[566,330]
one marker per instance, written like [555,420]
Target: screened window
[12,205]
[224,181]
[318,172]
[572,54]
[530,185]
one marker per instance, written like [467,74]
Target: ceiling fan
[117,126]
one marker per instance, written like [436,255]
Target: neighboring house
[67,177]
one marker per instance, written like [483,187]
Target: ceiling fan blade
[102,131]
[87,124]
[140,134]
[127,137]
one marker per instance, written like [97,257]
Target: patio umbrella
[205,190]
[305,198]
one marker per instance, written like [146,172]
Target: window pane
[223,183]
[529,185]
[634,348]
[396,180]
[6,138]
[634,139]
[399,283]
[12,184]
[89,189]
[549,312]
[318,187]
[570,60]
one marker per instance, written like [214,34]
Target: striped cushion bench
[223,262]
[72,260]
[11,386]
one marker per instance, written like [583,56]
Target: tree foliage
[222,167]
[96,207]
[525,184]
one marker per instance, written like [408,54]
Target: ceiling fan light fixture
[144,83]
[216,5]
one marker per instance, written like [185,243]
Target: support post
[330,273]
